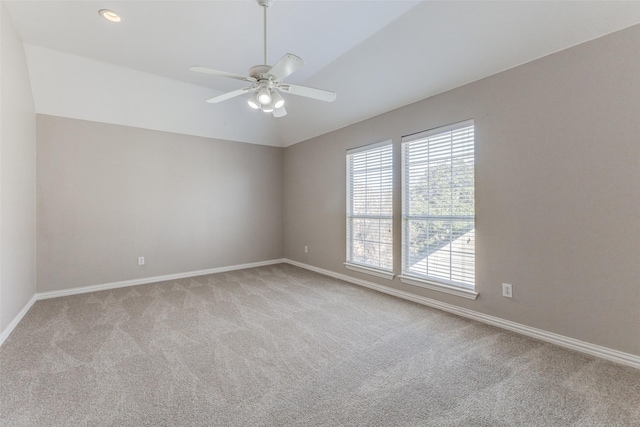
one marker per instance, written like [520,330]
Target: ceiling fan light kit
[277,99]
[253,101]
[266,81]
[264,96]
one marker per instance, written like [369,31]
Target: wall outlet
[507,290]
[306,249]
[140,260]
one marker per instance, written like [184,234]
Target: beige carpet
[278,345]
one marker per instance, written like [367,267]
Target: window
[370,209]
[438,213]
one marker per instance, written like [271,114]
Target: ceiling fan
[266,81]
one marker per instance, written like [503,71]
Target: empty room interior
[262,212]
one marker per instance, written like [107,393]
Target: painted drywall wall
[17,177]
[108,194]
[557,190]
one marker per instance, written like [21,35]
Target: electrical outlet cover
[507,290]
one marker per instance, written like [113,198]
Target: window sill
[440,287]
[368,270]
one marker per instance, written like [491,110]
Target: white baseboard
[550,337]
[11,326]
[145,280]
[113,285]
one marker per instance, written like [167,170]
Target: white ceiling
[377,55]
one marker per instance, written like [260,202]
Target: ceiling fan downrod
[265,4]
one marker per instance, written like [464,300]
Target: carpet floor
[282,346]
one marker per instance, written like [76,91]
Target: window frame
[465,290]
[351,263]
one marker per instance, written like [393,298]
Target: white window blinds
[370,206]
[438,213]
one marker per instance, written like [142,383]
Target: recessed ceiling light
[109,15]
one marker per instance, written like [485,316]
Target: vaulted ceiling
[377,55]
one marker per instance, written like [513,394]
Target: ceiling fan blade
[206,70]
[309,92]
[229,95]
[279,112]
[286,66]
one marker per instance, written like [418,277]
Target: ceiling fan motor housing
[260,71]
[262,76]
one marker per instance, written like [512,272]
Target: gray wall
[17,177]
[108,194]
[557,190]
